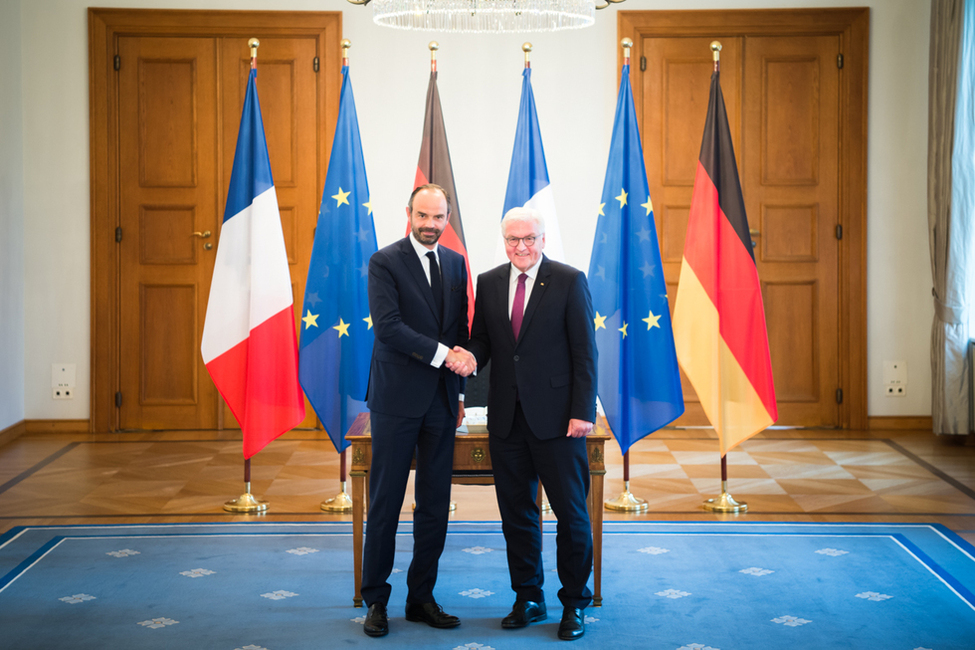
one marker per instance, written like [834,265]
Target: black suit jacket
[401,380]
[552,367]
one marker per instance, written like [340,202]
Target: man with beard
[418,305]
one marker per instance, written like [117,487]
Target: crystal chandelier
[495,16]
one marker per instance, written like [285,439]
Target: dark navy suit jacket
[552,367]
[401,380]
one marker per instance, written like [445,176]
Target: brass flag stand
[246,501]
[627,501]
[341,502]
[725,502]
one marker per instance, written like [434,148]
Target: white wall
[11,219]
[574,80]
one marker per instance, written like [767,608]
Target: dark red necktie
[518,308]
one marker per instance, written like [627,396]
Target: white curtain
[951,209]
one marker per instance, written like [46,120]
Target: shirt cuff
[439,357]
[460,397]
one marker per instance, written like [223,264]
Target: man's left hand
[460,414]
[578,428]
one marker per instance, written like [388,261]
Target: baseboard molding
[13,432]
[58,426]
[900,422]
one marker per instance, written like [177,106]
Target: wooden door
[166,90]
[789,163]
[782,99]
[180,106]
[168,126]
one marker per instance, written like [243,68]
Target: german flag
[434,167]
[719,319]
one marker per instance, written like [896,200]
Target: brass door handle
[202,235]
[754,232]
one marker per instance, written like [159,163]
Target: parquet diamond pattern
[790,475]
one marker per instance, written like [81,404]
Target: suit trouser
[394,440]
[519,461]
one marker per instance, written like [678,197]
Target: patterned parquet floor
[794,475]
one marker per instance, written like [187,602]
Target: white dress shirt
[421,252]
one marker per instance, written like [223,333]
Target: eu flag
[639,381]
[336,327]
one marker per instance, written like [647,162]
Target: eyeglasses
[513,241]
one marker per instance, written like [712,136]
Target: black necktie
[435,284]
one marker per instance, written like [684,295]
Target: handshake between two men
[461,361]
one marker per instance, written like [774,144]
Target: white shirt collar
[531,272]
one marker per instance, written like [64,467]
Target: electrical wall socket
[895,390]
[62,380]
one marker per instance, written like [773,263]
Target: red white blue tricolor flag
[719,318]
[528,183]
[249,344]
[639,381]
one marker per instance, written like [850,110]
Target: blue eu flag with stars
[639,380]
[336,327]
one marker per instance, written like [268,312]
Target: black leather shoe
[573,624]
[430,613]
[377,624]
[524,612]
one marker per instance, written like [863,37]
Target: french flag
[528,184]
[249,343]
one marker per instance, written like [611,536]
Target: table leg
[358,490]
[596,518]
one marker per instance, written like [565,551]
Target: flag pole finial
[346,44]
[253,44]
[627,43]
[527,49]
[716,50]
[434,46]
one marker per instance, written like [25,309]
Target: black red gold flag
[719,317]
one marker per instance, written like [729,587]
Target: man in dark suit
[533,319]
[418,304]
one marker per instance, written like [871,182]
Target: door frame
[852,26]
[105,26]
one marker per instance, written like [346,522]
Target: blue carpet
[682,585]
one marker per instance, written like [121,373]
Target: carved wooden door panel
[782,98]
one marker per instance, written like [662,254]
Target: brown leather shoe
[573,624]
[377,624]
[524,612]
[430,613]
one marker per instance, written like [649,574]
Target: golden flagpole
[725,502]
[246,502]
[544,505]
[341,502]
[627,501]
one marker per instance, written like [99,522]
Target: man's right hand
[461,361]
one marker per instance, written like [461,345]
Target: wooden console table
[472,466]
